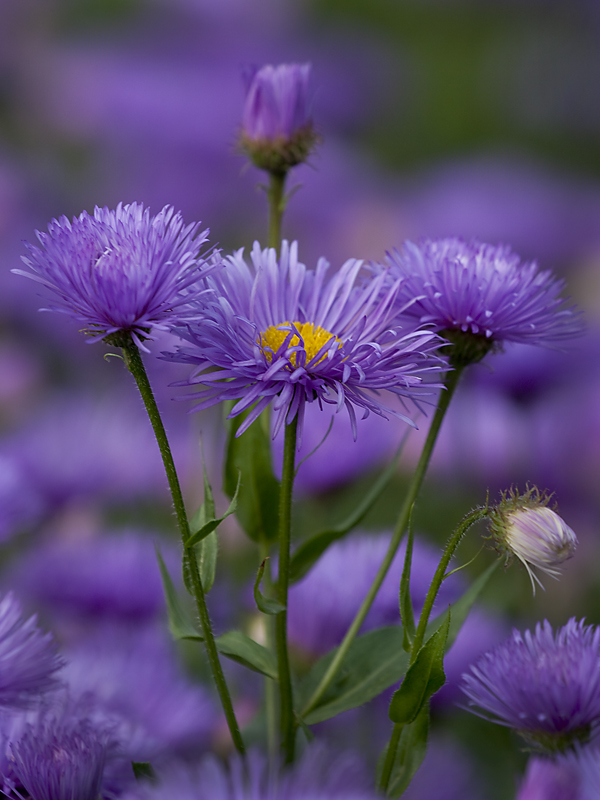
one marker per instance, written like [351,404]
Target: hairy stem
[135,365]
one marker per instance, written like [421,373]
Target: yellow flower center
[313,339]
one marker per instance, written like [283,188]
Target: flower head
[60,759]
[523,525]
[28,657]
[120,271]
[277,131]
[479,295]
[279,334]
[544,685]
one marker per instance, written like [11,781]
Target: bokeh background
[478,118]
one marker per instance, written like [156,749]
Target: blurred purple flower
[551,779]
[483,290]
[544,685]
[112,577]
[28,657]
[279,336]
[277,131]
[83,446]
[320,774]
[60,759]
[323,604]
[121,270]
[131,678]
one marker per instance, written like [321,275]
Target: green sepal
[143,771]
[203,522]
[406,609]
[241,648]
[258,500]
[374,662]
[263,603]
[309,552]
[423,678]
[180,625]
[411,752]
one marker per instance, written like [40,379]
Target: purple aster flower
[319,774]
[279,335]
[121,270]
[277,131]
[523,526]
[544,685]
[479,294]
[132,679]
[60,759]
[28,657]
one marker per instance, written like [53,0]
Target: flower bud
[277,131]
[523,526]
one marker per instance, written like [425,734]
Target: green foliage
[423,678]
[411,752]
[241,648]
[263,603]
[374,662]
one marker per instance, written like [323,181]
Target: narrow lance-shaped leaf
[374,662]
[423,678]
[258,500]
[241,648]
[209,525]
[309,552]
[411,752]
[263,603]
[180,625]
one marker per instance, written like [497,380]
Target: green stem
[283,575]
[451,383]
[275,195]
[135,365]
[453,542]
[270,685]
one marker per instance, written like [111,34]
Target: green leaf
[461,608]
[411,752]
[241,648]
[406,609]
[263,603]
[207,526]
[309,552]
[207,560]
[143,771]
[258,501]
[423,678]
[374,662]
[180,624]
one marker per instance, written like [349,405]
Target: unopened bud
[524,526]
[277,130]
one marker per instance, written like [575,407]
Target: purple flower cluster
[281,335]
[120,270]
[545,685]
